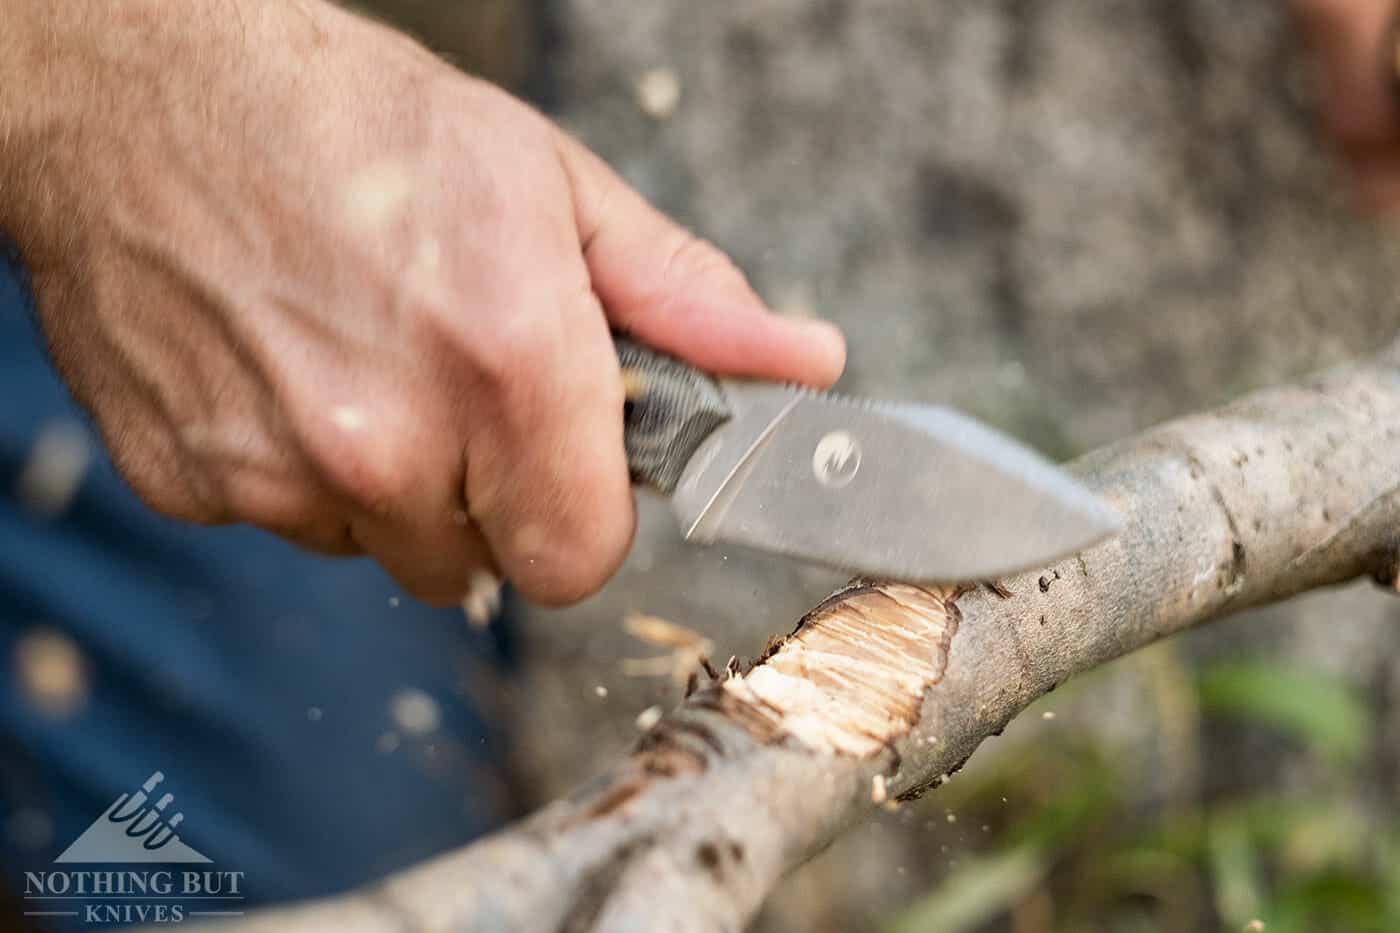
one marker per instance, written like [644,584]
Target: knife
[896,490]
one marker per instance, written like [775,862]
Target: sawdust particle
[659,93]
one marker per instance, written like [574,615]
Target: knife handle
[671,407]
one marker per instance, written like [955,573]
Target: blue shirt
[315,726]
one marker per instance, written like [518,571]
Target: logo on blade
[836,459]
[134,830]
[128,873]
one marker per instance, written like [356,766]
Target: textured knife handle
[671,408]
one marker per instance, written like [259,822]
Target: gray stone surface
[1073,218]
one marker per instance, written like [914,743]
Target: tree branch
[885,688]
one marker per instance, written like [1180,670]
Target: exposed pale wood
[1287,490]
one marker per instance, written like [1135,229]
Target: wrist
[52,84]
[22,100]
[81,86]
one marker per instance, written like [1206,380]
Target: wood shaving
[658,93]
[689,650]
[483,599]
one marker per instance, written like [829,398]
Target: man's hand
[305,275]
[1359,95]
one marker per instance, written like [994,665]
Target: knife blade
[898,490]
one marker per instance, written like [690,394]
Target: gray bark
[885,688]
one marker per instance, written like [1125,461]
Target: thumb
[679,294]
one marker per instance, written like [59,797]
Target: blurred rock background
[1073,218]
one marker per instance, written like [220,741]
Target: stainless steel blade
[909,492]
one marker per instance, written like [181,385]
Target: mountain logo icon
[134,830]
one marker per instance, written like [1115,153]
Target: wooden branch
[885,688]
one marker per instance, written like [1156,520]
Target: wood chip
[655,630]
[634,383]
[659,93]
[483,599]
[689,650]
[648,718]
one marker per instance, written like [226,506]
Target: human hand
[1360,74]
[305,275]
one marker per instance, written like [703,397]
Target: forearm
[259,229]
[70,74]
[85,86]
[24,97]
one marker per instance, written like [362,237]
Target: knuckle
[488,198]
[374,469]
[534,367]
[377,480]
[518,353]
[281,505]
[586,381]
[690,259]
[559,580]
[569,559]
